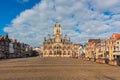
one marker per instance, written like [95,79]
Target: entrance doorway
[58,53]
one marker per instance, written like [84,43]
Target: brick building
[11,48]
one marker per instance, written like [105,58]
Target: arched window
[68,52]
[54,52]
[50,52]
[57,31]
[64,53]
[59,25]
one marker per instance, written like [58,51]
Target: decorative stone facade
[57,45]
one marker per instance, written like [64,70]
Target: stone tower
[57,33]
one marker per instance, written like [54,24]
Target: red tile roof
[116,35]
[94,40]
[78,44]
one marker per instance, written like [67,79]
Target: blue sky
[11,8]
[30,21]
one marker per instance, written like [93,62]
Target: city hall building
[57,45]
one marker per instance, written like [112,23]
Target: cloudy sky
[30,21]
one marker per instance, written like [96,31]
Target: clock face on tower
[58,38]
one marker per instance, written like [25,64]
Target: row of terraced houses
[103,50]
[11,48]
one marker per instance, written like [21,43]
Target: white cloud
[104,4]
[32,25]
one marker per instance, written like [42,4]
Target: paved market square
[57,68]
